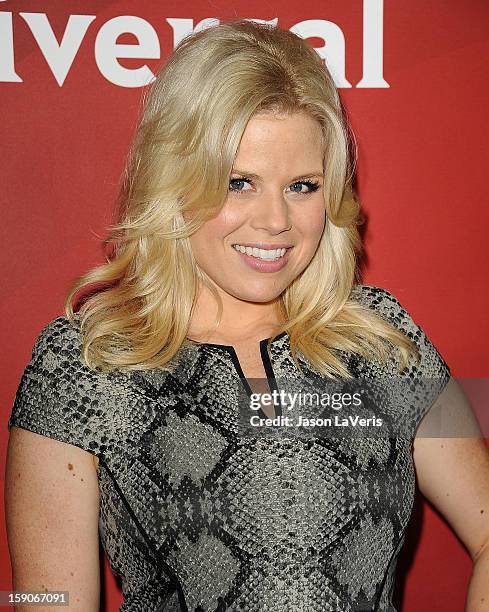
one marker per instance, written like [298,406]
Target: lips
[266,246]
[263,264]
[264,254]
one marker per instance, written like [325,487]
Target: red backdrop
[413,77]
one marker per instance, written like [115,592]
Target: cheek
[231,217]
[311,222]
[219,227]
[209,238]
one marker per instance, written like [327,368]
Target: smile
[265,254]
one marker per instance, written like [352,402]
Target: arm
[52,509]
[453,474]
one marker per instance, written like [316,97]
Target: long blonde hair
[137,314]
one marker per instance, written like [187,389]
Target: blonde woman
[233,259]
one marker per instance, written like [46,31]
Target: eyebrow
[258,177]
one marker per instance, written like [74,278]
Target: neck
[240,320]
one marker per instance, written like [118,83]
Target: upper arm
[52,511]
[453,472]
[450,456]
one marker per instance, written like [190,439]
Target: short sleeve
[54,395]
[431,365]
[428,377]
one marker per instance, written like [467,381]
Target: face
[270,226]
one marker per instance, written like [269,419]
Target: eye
[311,185]
[241,179]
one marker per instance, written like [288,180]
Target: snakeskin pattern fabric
[194,517]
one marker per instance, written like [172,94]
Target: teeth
[266,254]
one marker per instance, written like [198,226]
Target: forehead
[263,125]
[271,141]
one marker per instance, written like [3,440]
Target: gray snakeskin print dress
[195,517]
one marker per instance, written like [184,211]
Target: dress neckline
[230,346]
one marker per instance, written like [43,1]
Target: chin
[261,296]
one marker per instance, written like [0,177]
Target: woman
[234,259]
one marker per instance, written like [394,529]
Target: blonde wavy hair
[137,313]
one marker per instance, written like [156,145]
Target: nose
[271,213]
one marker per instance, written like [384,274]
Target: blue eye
[312,186]
[238,180]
